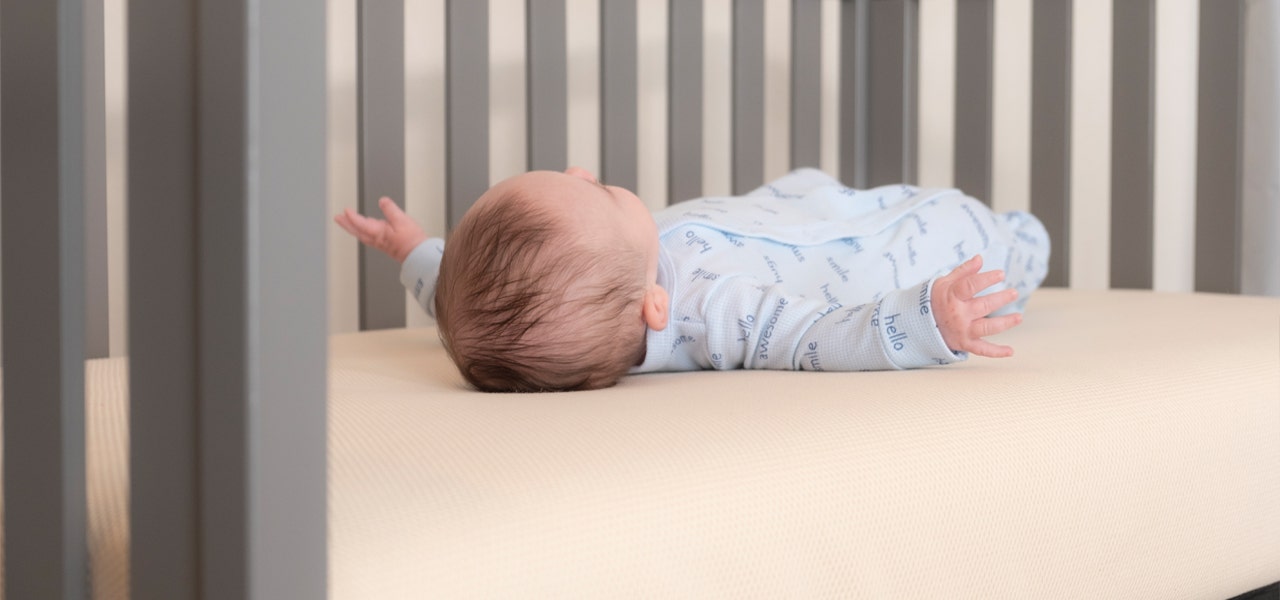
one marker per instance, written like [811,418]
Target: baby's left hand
[396,237]
[962,318]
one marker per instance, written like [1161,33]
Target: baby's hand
[396,237]
[962,318]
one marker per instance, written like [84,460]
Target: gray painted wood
[684,108]
[227,489]
[892,84]
[97,339]
[466,105]
[618,100]
[748,95]
[1051,128]
[806,83]
[286,323]
[381,172]
[163,492]
[1218,160]
[854,50]
[42,114]
[1133,144]
[548,84]
[975,35]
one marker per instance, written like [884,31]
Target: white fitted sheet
[1131,448]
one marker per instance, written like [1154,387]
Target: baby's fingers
[986,327]
[969,287]
[392,210]
[985,348]
[985,305]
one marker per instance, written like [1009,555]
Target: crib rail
[226,148]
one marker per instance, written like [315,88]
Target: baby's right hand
[962,318]
[396,237]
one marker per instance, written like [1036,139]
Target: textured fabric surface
[1131,449]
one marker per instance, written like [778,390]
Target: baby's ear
[654,310]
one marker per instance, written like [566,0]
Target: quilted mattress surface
[1130,449]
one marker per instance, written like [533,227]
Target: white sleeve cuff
[909,331]
[419,271]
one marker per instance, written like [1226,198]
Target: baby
[555,281]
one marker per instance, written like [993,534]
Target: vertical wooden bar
[467,104]
[854,50]
[748,95]
[163,492]
[806,83]
[1133,144]
[42,119]
[548,85]
[891,109]
[97,339]
[684,101]
[1051,128]
[287,351]
[975,73]
[228,392]
[618,102]
[1218,160]
[381,126]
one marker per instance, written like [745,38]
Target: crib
[210,392]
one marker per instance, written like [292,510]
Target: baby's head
[548,283]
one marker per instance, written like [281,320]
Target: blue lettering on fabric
[959,248]
[841,271]
[894,263]
[773,266]
[920,223]
[680,340]
[795,250]
[701,273]
[896,337]
[767,332]
[982,231]
[417,289]
[765,209]
[811,355]
[826,293]
[847,191]
[848,314]
[693,239]
[745,326]
[717,361]
[733,239]
[852,242]
[911,252]
[924,299]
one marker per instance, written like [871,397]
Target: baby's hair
[521,307]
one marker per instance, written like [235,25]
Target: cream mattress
[1131,448]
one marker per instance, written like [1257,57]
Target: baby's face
[610,215]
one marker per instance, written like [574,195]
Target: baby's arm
[403,240]
[763,327]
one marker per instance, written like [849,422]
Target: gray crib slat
[1051,128]
[548,83]
[618,101]
[1218,160]
[97,318]
[466,104]
[42,175]
[684,109]
[975,33]
[854,50]
[892,106]
[806,83]
[164,514]
[381,172]
[1133,144]
[748,95]
[226,299]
